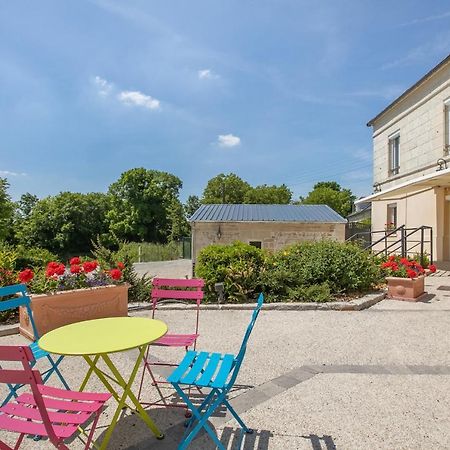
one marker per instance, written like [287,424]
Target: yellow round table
[94,340]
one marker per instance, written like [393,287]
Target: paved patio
[375,379]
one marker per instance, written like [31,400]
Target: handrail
[402,242]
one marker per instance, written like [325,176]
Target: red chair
[169,290]
[46,411]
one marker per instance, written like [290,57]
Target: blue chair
[215,371]
[22,299]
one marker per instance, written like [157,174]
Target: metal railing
[400,241]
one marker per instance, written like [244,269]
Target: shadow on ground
[321,443]
[132,434]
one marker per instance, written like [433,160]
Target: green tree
[332,194]
[6,210]
[191,205]
[225,189]
[66,223]
[25,205]
[142,205]
[265,194]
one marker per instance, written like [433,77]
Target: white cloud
[104,87]
[427,19]
[207,74]
[137,98]
[7,173]
[228,140]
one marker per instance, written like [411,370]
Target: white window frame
[394,153]
[391,216]
[447,126]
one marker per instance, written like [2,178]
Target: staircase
[399,241]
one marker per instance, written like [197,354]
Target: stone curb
[353,305]
[357,304]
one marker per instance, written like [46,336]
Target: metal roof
[266,213]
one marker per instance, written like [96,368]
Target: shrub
[338,268]
[140,286]
[33,257]
[237,265]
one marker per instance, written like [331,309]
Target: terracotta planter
[52,311]
[407,289]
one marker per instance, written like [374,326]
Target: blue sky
[275,91]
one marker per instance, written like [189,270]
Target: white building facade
[411,156]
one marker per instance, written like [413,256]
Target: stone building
[265,226]
[411,155]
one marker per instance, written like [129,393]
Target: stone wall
[272,235]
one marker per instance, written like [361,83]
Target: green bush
[140,286]
[332,268]
[237,265]
[33,257]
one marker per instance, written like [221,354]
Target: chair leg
[202,420]
[238,419]
[55,369]
[91,433]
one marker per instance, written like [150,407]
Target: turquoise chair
[215,371]
[22,299]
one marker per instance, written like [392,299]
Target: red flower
[75,268]
[432,268]
[392,258]
[411,273]
[120,265]
[406,262]
[75,261]
[26,275]
[115,274]
[90,266]
[60,269]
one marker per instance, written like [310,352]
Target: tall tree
[191,205]
[26,204]
[66,223]
[6,210]
[332,194]
[142,200]
[225,189]
[268,195]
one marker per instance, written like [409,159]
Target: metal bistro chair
[215,371]
[183,291]
[46,411]
[22,299]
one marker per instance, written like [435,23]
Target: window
[256,244]
[394,154]
[447,125]
[391,217]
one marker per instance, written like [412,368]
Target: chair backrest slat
[183,295]
[22,299]
[179,282]
[248,332]
[13,353]
[28,376]
[180,289]
[15,376]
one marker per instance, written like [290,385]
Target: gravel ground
[400,400]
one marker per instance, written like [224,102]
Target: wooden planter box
[407,289]
[52,311]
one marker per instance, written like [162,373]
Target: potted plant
[405,278]
[62,294]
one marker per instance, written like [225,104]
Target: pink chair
[46,411]
[169,290]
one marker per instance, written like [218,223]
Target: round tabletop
[93,337]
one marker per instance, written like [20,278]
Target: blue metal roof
[266,213]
